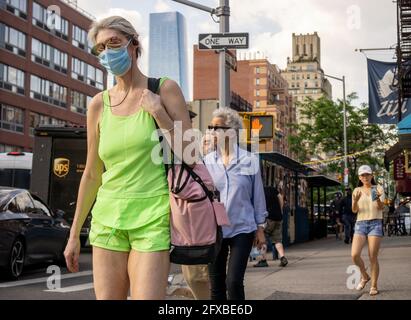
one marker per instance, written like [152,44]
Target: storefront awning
[321,181]
[286,162]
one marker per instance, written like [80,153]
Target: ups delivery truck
[59,159]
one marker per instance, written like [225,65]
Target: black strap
[154,85]
[209,193]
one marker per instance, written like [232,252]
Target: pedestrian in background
[236,174]
[367,203]
[130,228]
[336,215]
[273,229]
[196,276]
[348,217]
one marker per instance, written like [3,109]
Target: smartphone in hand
[374,195]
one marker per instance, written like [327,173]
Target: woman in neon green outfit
[130,231]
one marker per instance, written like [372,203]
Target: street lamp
[345,128]
[223,13]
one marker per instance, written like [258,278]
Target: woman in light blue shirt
[236,174]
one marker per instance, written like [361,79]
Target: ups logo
[61,167]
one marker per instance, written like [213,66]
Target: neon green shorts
[152,237]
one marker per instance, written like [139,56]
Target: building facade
[258,82]
[168,48]
[47,73]
[304,74]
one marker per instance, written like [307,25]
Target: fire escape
[404,50]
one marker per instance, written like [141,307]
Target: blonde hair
[116,23]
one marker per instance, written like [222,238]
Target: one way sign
[215,41]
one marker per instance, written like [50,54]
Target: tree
[321,135]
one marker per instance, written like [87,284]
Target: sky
[343,26]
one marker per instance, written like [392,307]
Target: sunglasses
[215,128]
[114,43]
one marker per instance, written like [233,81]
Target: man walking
[348,217]
[273,229]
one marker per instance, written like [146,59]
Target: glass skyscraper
[168,48]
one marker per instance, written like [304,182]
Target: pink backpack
[196,215]
[196,211]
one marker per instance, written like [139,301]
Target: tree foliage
[320,135]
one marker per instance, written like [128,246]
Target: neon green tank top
[134,190]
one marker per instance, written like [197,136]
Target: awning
[321,181]
[404,127]
[286,162]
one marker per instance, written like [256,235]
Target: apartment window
[293,77]
[308,76]
[298,77]
[79,38]
[94,77]
[257,70]
[16,7]
[257,81]
[48,91]
[10,148]
[11,79]
[42,120]
[257,104]
[293,85]
[99,79]
[40,52]
[305,85]
[298,84]
[60,61]
[79,102]
[13,40]
[78,69]
[257,93]
[12,118]
[49,56]
[59,25]
[315,76]
[316,84]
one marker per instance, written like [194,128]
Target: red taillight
[15,153]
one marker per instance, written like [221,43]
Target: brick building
[256,81]
[47,73]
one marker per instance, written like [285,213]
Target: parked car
[29,232]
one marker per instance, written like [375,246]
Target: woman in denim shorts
[368,204]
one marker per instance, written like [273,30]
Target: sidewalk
[317,270]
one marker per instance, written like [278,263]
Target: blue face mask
[117,62]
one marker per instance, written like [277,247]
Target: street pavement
[317,270]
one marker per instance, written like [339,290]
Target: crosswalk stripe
[79,287]
[44,279]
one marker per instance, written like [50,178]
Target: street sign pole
[223,12]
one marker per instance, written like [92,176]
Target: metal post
[345,136]
[223,12]
[344,126]
[399,62]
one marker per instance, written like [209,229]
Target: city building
[168,48]
[304,74]
[256,81]
[47,73]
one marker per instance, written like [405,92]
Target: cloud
[162,6]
